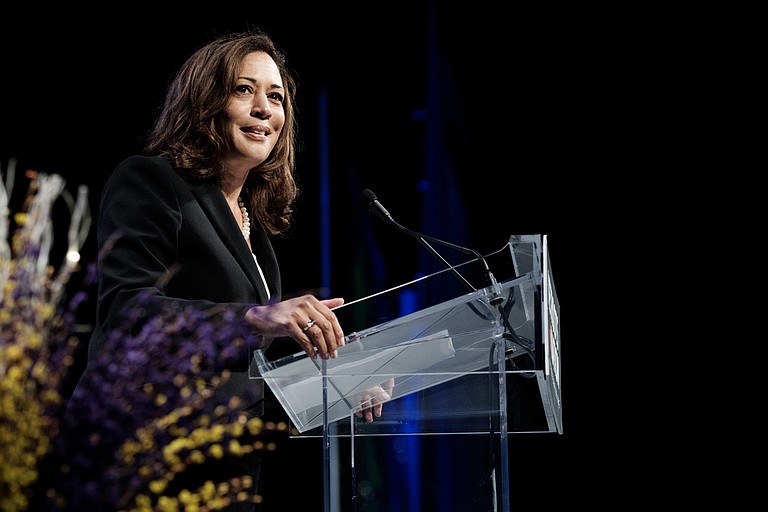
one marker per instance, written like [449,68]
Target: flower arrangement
[154,417]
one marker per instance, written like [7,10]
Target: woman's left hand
[372,399]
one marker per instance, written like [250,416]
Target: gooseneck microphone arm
[375,207]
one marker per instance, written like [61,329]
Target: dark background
[551,120]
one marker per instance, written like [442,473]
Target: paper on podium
[358,371]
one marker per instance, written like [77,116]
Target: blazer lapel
[215,207]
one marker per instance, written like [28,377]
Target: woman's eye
[243,88]
[276,96]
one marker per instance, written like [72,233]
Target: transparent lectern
[457,374]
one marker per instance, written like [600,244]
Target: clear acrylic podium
[457,377]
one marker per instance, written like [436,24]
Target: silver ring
[308,326]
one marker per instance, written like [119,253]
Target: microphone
[511,337]
[375,207]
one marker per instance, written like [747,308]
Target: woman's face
[254,117]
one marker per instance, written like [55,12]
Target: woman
[189,224]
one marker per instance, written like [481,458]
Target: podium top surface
[458,339]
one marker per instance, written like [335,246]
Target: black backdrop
[547,114]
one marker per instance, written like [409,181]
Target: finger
[338,332]
[312,340]
[333,335]
[389,387]
[314,335]
[379,399]
[368,414]
[365,407]
[317,345]
[324,338]
[331,316]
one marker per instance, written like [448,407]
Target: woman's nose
[261,108]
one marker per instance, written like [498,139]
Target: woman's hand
[371,400]
[306,319]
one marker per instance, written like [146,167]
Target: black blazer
[161,234]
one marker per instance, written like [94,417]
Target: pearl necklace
[246,219]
